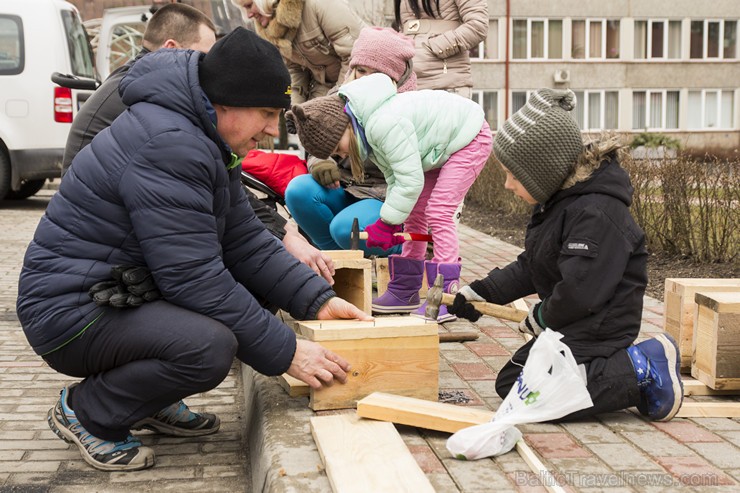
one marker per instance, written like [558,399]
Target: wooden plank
[407,366]
[444,417]
[337,255]
[293,386]
[363,455]
[716,344]
[537,467]
[430,415]
[382,275]
[680,309]
[381,327]
[692,386]
[709,410]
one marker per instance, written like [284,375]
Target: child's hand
[381,234]
[461,306]
[326,173]
[531,325]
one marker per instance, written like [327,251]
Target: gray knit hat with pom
[541,142]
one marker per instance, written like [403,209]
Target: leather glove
[381,234]
[131,287]
[533,324]
[462,307]
[325,172]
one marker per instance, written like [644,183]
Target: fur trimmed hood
[283,27]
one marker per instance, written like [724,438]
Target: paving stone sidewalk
[616,452]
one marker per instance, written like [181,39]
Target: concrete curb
[283,455]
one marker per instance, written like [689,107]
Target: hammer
[436,296]
[355,236]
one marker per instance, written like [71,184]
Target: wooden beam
[363,455]
[444,417]
[293,386]
[692,386]
[418,412]
[709,410]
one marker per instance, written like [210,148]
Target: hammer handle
[490,309]
[405,236]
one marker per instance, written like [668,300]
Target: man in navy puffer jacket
[160,188]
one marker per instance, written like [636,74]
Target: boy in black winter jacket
[586,259]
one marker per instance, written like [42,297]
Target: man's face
[244,128]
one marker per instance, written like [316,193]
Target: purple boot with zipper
[451,273]
[402,295]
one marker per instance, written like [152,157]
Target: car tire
[4,174]
[27,189]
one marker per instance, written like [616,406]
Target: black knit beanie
[244,70]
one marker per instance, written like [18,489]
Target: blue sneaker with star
[657,367]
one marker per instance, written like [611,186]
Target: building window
[518,100]
[654,110]
[489,102]
[657,39]
[596,110]
[713,39]
[595,39]
[711,109]
[488,48]
[537,39]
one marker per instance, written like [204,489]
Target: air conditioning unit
[561,75]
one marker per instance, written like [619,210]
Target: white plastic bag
[550,386]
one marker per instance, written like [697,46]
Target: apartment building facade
[668,66]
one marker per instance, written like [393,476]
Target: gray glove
[325,172]
[533,324]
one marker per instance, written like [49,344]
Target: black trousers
[137,361]
[611,382]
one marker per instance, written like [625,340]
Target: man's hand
[316,365]
[337,308]
[301,249]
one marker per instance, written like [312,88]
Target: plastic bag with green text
[550,386]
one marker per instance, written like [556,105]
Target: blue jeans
[326,215]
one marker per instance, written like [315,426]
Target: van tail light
[63,105]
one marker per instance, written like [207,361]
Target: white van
[37,38]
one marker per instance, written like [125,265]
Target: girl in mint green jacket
[430,146]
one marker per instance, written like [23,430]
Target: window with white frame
[713,39]
[595,39]
[488,48]
[537,39]
[657,39]
[711,109]
[596,110]
[489,102]
[655,110]
[518,100]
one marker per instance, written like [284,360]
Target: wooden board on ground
[293,386]
[444,417]
[353,277]
[390,354]
[679,309]
[716,351]
[709,410]
[692,387]
[364,455]
[431,415]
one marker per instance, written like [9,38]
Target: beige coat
[315,38]
[442,43]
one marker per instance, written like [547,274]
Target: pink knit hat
[386,51]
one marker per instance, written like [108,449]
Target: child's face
[516,186]
[363,70]
[342,148]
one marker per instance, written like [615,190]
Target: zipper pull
[444,67]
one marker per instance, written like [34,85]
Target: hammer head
[434,298]
[354,235]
